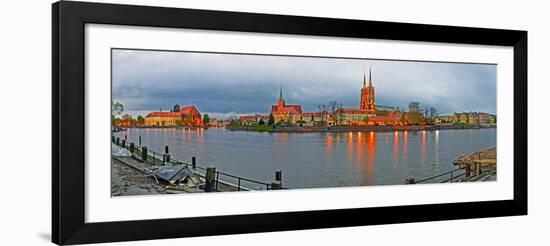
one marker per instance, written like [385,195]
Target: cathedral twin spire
[364,79]
[367,94]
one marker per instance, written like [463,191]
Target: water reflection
[164,137]
[436,148]
[371,157]
[395,150]
[350,146]
[359,153]
[423,147]
[320,159]
[329,143]
[405,146]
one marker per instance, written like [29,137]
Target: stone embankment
[480,165]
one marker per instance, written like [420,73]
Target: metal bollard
[132,148]
[193,162]
[279,176]
[144,153]
[123,143]
[166,156]
[118,141]
[210,179]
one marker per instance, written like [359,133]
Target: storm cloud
[225,84]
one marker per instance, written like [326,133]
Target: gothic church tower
[367,95]
[281,101]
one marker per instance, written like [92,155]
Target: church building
[367,95]
[367,107]
[286,112]
[368,112]
[186,116]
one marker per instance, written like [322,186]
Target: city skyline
[229,85]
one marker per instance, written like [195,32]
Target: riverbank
[299,129]
[131,175]
[127,181]
[478,163]
[167,127]
[477,166]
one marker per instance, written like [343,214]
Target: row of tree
[334,109]
[419,114]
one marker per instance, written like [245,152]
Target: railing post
[239,185]
[113,139]
[279,176]
[217,179]
[139,140]
[210,176]
[132,148]
[278,184]
[193,162]
[144,153]
[123,143]
[117,141]
[166,156]
[467,170]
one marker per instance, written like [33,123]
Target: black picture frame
[68,122]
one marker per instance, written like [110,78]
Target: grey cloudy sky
[227,84]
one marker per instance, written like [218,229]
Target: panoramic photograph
[192,122]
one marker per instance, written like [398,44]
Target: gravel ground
[126,181]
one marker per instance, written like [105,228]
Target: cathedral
[286,112]
[368,112]
[367,95]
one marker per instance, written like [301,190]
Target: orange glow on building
[186,116]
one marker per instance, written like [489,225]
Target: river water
[309,160]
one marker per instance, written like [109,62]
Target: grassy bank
[253,128]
